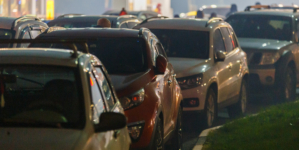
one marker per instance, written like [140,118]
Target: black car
[25,27]
[83,21]
[270,39]
[142,15]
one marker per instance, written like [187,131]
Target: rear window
[262,26]
[184,43]
[40,96]
[79,22]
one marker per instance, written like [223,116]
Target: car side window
[98,106]
[233,37]
[123,25]
[297,29]
[25,35]
[227,40]
[142,17]
[218,43]
[104,85]
[35,33]
[132,24]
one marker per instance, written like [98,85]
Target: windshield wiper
[29,80]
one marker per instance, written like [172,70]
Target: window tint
[233,37]
[123,25]
[227,40]
[97,99]
[25,35]
[218,43]
[34,33]
[132,24]
[106,89]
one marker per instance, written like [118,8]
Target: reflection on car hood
[187,66]
[262,44]
[38,138]
[129,83]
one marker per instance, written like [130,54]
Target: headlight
[190,82]
[269,58]
[133,100]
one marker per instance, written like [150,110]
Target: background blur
[49,9]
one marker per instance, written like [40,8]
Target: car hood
[262,44]
[35,138]
[188,66]
[126,84]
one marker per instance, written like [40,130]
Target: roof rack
[69,15]
[24,18]
[71,43]
[257,7]
[146,20]
[54,28]
[126,16]
[141,30]
[215,19]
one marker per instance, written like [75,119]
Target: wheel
[210,112]
[176,142]
[240,107]
[159,136]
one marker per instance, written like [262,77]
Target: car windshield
[40,96]
[184,43]
[219,11]
[6,34]
[119,55]
[262,26]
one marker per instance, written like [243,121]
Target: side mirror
[220,56]
[111,121]
[161,65]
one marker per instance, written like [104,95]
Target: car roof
[274,12]
[6,22]
[38,56]
[93,33]
[177,23]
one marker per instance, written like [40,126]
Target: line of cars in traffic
[157,72]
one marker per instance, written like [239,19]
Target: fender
[281,65]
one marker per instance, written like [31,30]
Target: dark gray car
[270,39]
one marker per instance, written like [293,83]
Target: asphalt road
[192,127]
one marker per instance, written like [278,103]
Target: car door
[224,67]
[231,60]
[120,138]
[167,92]
[237,61]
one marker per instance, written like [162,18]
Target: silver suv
[210,66]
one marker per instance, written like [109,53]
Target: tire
[239,108]
[176,142]
[159,136]
[210,111]
[287,87]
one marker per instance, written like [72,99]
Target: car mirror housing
[161,65]
[111,121]
[220,56]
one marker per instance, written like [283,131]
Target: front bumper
[261,78]
[194,95]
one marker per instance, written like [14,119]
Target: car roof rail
[257,7]
[54,28]
[126,16]
[295,10]
[215,19]
[155,17]
[71,43]
[141,30]
[69,15]
[24,18]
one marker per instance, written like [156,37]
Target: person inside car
[103,23]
